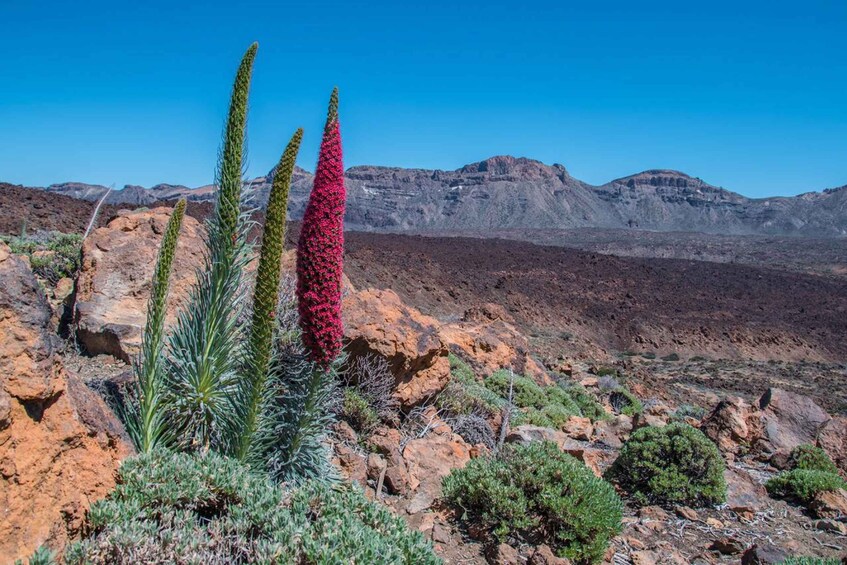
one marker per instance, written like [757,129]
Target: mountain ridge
[505,192]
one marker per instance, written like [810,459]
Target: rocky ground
[496,304]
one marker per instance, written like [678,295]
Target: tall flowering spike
[147,425]
[266,296]
[321,248]
[230,171]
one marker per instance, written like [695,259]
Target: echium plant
[234,383]
[146,420]
[320,251]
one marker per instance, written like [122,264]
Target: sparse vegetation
[52,255]
[688,411]
[675,464]
[368,394]
[192,508]
[537,493]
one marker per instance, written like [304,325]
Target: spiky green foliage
[298,418]
[538,494]
[625,402]
[41,556]
[265,298]
[182,508]
[146,420]
[237,387]
[204,348]
[675,464]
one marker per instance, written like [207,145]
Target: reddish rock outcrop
[733,425]
[486,337]
[790,419]
[59,444]
[377,322]
[114,283]
[832,438]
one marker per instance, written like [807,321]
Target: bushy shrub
[551,416]
[624,402]
[183,508]
[538,494]
[52,255]
[801,485]
[675,464]
[605,371]
[526,393]
[810,471]
[812,458]
[547,406]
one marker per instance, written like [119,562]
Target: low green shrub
[801,485]
[587,404]
[464,395]
[357,412]
[52,255]
[671,357]
[605,371]
[548,406]
[674,464]
[810,471]
[536,493]
[551,416]
[180,508]
[526,393]
[811,458]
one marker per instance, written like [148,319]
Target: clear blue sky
[751,96]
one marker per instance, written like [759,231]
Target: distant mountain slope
[518,193]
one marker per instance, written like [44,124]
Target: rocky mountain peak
[515,169]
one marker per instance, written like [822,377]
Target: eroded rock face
[790,419]
[377,322]
[59,444]
[114,282]
[734,426]
[832,438]
[486,338]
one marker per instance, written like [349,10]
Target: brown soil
[566,299]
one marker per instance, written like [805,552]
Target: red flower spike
[321,248]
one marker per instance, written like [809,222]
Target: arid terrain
[740,336]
